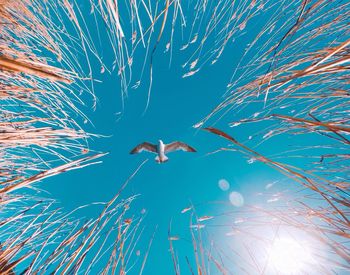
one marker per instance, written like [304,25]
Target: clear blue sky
[176,104]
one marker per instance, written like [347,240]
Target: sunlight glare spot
[288,256]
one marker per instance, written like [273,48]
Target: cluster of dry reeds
[40,137]
[290,96]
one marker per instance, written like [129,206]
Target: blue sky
[165,189]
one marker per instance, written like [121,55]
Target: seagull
[161,149]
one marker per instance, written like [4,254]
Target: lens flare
[223,184]
[236,199]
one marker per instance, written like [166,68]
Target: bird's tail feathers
[160,160]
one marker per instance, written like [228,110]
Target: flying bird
[161,149]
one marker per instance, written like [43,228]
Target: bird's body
[161,149]
[161,157]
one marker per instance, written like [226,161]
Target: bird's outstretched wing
[146,146]
[177,145]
